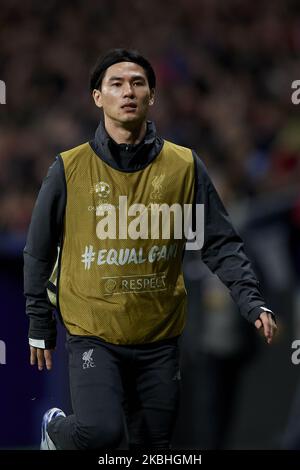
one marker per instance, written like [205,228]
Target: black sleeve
[40,253]
[223,250]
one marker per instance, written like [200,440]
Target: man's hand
[266,321]
[41,355]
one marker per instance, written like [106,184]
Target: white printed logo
[177,375]
[88,257]
[128,255]
[88,361]
[102,189]
[157,187]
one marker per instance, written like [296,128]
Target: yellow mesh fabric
[124,291]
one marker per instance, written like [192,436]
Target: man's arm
[223,252]
[40,255]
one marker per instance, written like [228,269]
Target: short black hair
[119,55]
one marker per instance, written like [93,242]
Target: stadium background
[224,72]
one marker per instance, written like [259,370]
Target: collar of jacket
[135,157]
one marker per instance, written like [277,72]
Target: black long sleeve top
[222,251]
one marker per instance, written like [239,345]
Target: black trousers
[117,389]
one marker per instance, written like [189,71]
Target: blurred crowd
[224,73]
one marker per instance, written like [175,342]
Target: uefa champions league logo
[2,92]
[2,352]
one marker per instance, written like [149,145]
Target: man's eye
[139,83]
[116,84]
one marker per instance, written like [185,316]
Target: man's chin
[131,117]
[134,120]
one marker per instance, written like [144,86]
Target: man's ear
[151,99]
[97,98]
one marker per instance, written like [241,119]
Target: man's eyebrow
[134,77]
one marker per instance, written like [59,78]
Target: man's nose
[128,89]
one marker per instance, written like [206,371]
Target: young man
[120,293]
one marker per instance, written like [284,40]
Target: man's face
[125,95]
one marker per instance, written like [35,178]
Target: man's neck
[123,135]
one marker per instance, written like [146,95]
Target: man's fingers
[48,359]
[40,358]
[41,355]
[273,327]
[258,323]
[269,326]
[32,356]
